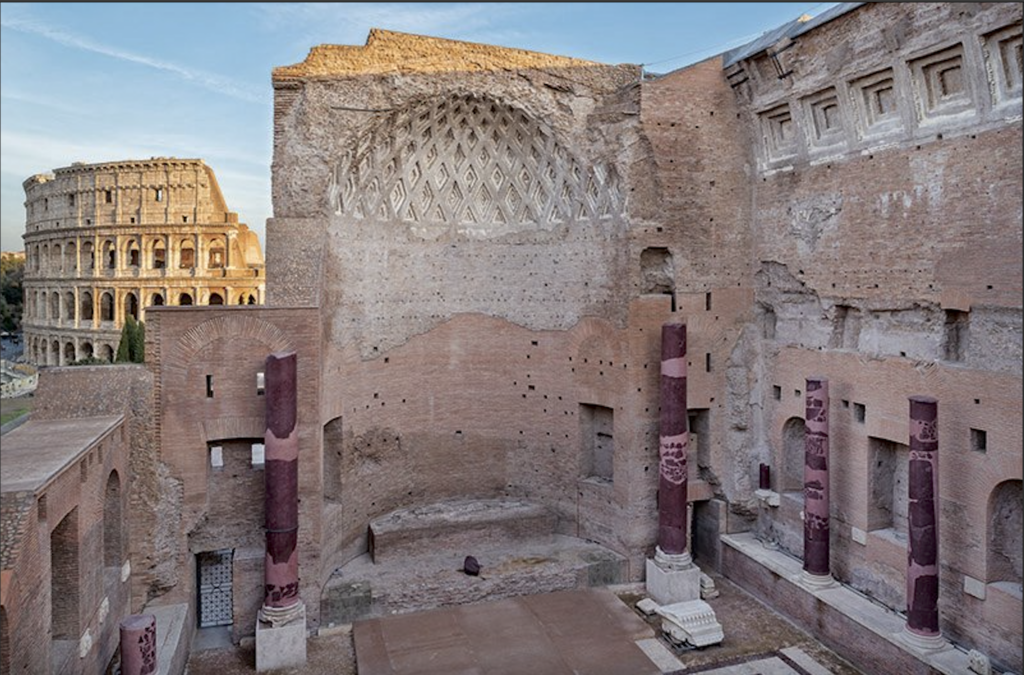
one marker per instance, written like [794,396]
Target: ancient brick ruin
[473,252]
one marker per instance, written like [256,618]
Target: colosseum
[106,241]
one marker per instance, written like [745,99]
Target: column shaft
[138,644]
[674,439]
[922,512]
[816,479]
[282,482]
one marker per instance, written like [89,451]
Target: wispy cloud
[36,100]
[211,81]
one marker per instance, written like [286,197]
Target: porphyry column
[816,480]
[674,441]
[673,581]
[922,627]
[281,602]
[138,644]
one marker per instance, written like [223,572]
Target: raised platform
[365,589]
[856,628]
[458,526]
[417,555]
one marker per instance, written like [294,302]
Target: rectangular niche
[941,84]
[597,424]
[888,478]
[875,101]
[825,118]
[1003,58]
[779,131]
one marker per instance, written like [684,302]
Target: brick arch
[233,327]
[231,428]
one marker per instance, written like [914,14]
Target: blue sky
[96,82]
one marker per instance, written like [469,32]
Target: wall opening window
[979,440]
[257,456]
[954,345]
[598,441]
[188,256]
[216,257]
[888,478]
[158,194]
[64,580]
[86,306]
[159,256]
[1005,525]
[216,299]
[106,307]
[184,299]
[131,306]
[108,197]
[793,451]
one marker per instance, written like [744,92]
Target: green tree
[137,353]
[12,271]
[124,347]
[132,347]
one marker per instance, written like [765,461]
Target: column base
[280,616]
[281,646]
[925,644]
[815,582]
[672,561]
[667,586]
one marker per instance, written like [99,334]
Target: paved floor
[757,640]
[563,633]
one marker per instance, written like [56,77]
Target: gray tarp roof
[788,30]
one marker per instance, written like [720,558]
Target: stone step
[459,526]
[364,589]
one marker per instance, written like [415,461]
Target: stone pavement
[757,640]
[562,633]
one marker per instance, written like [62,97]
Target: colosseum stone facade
[105,241]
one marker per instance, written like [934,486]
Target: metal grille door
[215,588]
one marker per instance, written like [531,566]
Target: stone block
[281,647]
[974,587]
[345,601]
[859,536]
[647,607]
[693,623]
[604,568]
[666,587]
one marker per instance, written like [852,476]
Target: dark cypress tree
[138,343]
[124,347]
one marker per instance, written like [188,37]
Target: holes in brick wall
[860,412]
[209,386]
[777,392]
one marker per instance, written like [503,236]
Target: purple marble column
[922,511]
[138,644]
[281,468]
[674,439]
[816,493]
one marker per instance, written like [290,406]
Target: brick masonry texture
[473,252]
